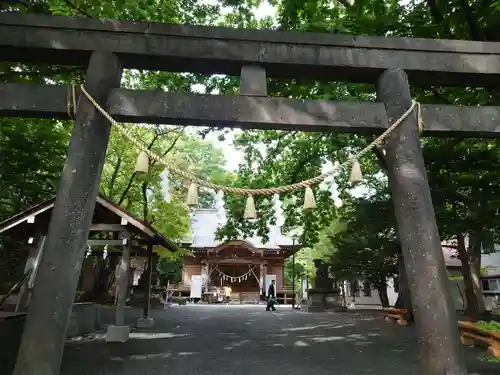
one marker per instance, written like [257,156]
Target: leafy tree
[364,246]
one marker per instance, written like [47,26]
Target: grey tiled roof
[204,226]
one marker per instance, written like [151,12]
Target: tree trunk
[382,292]
[472,308]
[474,253]
[404,300]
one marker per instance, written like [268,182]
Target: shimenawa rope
[244,191]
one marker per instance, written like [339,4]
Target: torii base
[145,323]
[322,300]
[117,333]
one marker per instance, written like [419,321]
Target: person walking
[271,297]
[168,299]
[227,293]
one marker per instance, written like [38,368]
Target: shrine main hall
[246,265]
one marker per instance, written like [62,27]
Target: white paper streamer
[165,186]
[219,205]
[89,251]
[278,210]
[334,194]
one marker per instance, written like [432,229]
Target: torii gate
[104,48]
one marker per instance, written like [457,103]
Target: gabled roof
[205,224]
[102,201]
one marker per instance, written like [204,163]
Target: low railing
[397,315]
[471,333]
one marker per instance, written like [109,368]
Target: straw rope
[246,191]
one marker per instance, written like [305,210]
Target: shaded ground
[244,340]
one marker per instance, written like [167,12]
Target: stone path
[223,340]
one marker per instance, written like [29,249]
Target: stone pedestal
[85,319]
[320,300]
[117,333]
[145,323]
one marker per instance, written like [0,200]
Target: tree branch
[438,18]
[113,176]
[78,10]
[471,21]
[345,3]
[172,145]
[145,201]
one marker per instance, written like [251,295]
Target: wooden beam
[212,50]
[108,228]
[105,242]
[158,107]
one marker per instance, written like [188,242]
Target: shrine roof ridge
[205,224]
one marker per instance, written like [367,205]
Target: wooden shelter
[112,227]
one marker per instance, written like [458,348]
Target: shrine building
[246,265]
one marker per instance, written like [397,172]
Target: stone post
[50,308]
[435,316]
[147,321]
[121,332]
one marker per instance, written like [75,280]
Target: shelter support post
[261,281]
[293,279]
[435,316]
[31,263]
[44,334]
[147,321]
[121,332]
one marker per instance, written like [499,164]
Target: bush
[490,326]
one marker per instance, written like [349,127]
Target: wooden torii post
[104,47]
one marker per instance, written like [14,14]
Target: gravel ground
[223,340]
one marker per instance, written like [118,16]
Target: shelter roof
[37,218]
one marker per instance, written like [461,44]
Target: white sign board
[196,286]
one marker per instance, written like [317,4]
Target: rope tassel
[309,201]
[192,197]
[250,213]
[142,163]
[356,175]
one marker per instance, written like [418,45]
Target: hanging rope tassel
[192,197]
[250,213]
[309,201]
[142,163]
[356,175]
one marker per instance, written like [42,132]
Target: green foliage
[170,270]
[290,270]
[29,176]
[489,326]
[365,244]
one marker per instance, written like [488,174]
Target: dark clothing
[271,295]
[271,292]
[270,304]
